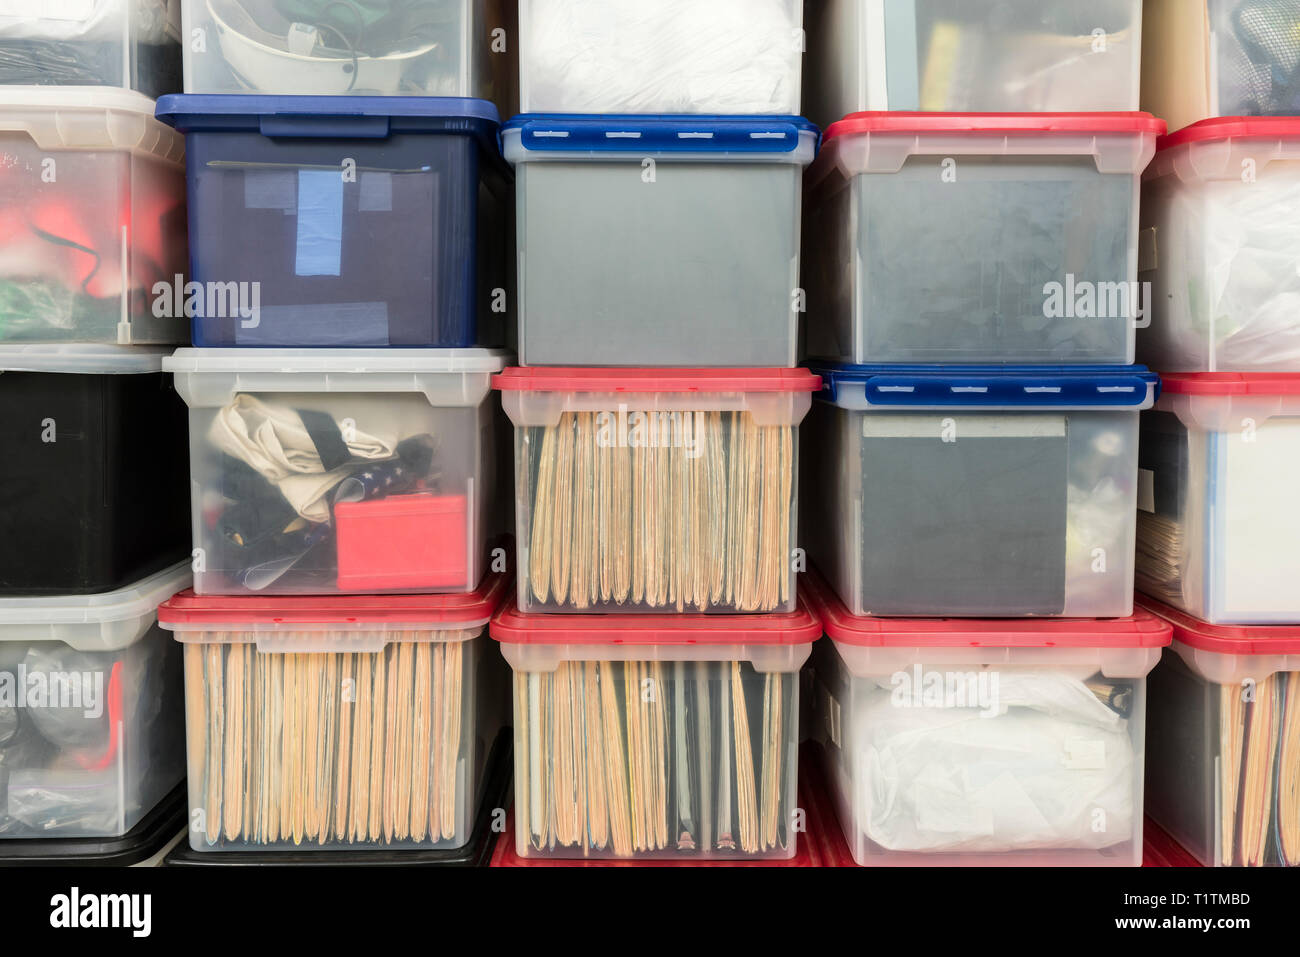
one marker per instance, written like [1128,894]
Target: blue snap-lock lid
[331,117]
[985,387]
[660,133]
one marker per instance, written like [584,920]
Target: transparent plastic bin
[1220,248]
[337,724]
[648,490]
[1217,518]
[92,210]
[659,241]
[1224,769]
[420,48]
[972,56]
[660,56]
[1204,58]
[982,494]
[130,44]
[960,239]
[358,219]
[92,448]
[643,737]
[90,711]
[979,743]
[340,471]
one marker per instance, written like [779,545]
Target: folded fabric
[1043,764]
[280,446]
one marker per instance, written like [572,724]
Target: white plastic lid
[108,621]
[82,358]
[339,361]
[90,118]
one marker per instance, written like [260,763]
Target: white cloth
[1051,767]
[272,440]
[663,56]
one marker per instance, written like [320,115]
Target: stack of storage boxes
[657,634]
[92,220]
[970,468]
[348,208]
[1218,518]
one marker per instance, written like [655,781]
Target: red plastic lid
[188,608]
[1142,630]
[656,380]
[1233,128]
[796,628]
[919,122]
[1226,639]
[1231,383]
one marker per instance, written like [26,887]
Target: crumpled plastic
[1052,768]
[1231,252]
[662,56]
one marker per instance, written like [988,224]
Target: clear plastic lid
[206,378]
[82,358]
[108,621]
[339,361]
[89,118]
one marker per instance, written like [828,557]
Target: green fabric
[38,310]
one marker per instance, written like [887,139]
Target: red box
[403,542]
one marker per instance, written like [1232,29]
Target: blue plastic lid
[660,133]
[330,117]
[906,386]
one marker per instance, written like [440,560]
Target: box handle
[325,127]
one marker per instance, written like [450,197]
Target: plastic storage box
[664,241]
[660,56]
[645,490]
[1204,58]
[985,743]
[356,471]
[92,43]
[357,218]
[984,494]
[945,238]
[90,711]
[1224,772]
[419,48]
[972,56]
[92,211]
[1217,517]
[643,737]
[1220,247]
[336,723]
[92,454]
